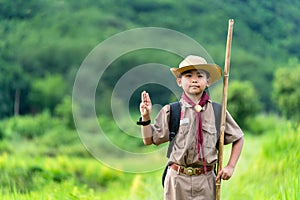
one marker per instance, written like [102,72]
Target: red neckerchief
[200,139]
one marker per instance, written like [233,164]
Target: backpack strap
[174,121]
[217,112]
[175,110]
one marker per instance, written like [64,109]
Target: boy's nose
[194,80]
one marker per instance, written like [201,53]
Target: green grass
[53,167]
[268,168]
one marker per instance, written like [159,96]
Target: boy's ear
[178,80]
[208,82]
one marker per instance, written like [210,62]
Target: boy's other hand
[225,173]
[145,106]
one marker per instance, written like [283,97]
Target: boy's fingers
[142,96]
[145,97]
[219,175]
[222,175]
[148,98]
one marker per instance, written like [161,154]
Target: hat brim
[214,71]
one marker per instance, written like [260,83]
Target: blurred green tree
[243,101]
[286,92]
[64,111]
[20,9]
[47,92]
[13,87]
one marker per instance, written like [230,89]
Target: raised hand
[145,106]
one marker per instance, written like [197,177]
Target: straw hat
[196,62]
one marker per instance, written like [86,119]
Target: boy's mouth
[195,86]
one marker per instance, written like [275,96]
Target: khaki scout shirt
[184,151]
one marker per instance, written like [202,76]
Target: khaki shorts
[184,187]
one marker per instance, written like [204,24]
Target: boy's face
[194,82]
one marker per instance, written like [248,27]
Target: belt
[190,170]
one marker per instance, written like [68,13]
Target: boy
[190,172]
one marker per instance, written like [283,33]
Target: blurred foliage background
[43,43]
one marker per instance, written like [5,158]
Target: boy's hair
[188,71]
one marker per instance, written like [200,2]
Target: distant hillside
[40,37]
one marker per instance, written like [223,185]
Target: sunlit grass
[271,172]
[268,169]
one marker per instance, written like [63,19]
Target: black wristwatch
[143,123]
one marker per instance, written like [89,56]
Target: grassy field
[39,168]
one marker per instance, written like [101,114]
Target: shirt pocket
[210,136]
[180,139]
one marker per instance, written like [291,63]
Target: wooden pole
[224,105]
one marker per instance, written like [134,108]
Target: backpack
[175,110]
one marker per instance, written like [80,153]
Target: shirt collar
[185,104]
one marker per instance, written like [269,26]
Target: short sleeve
[232,130]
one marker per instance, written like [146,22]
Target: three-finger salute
[145,106]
